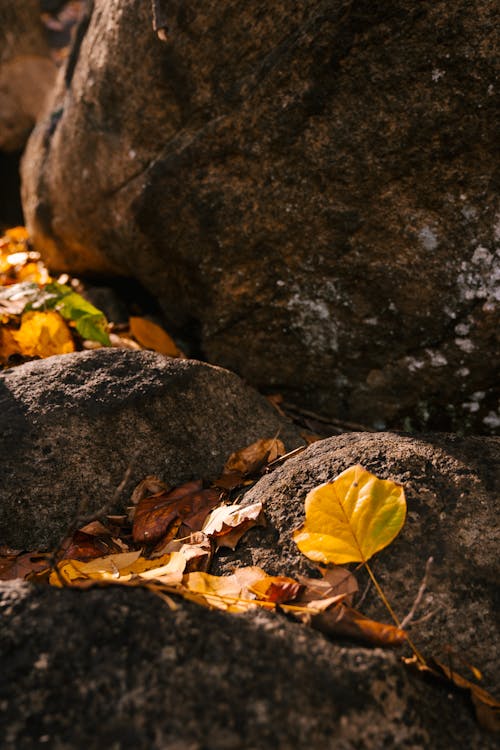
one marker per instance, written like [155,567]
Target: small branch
[393,614]
[421,591]
[81,519]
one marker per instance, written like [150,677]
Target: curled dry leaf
[254,457]
[335,581]
[486,706]
[197,551]
[227,524]
[188,504]
[351,518]
[339,620]
[150,485]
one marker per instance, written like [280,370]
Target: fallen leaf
[335,581]
[197,551]
[150,485]
[351,518]
[277,589]
[231,593]
[119,568]
[486,706]
[254,457]
[188,504]
[152,336]
[41,334]
[17,564]
[227,523]
[92,540]
[342,621]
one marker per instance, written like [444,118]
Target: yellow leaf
[17,234]
[351,518]
[120,568]
[152,336]
[41,334]
[231,593]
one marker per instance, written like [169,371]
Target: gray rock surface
[308,187]
[27,72]
[113,669]
[71,425]
[452,488]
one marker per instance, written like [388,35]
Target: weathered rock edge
[71,425]
[118,669]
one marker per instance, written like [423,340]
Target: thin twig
[83,519]
[364,594]
[421,591]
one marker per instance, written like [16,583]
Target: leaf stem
[393,614]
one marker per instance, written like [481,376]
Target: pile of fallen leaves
[41,316]
[168,539]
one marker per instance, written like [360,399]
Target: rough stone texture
[71,425]
[307,186]
[113,669]
[26,71]
[452,489]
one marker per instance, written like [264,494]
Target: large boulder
[452,488]
[306,187]
[70,427]
[119,669]
[27,72]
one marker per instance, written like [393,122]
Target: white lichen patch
[312,319]
[437,74]
[437,359]
[492,420]
[466,345]
[479,278]
[428,239]
[413,364]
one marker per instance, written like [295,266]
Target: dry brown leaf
[486,706]
[152,336]
[339,620]
[16,564]
[335,581]
[254,457]
[188,504]
[150,485]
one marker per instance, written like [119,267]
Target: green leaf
[90,322]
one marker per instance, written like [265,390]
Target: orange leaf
[152,336]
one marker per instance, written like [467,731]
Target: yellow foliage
[351,518]
[41,334]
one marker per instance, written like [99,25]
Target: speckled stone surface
[71,425]
[115,669]
[306,187]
